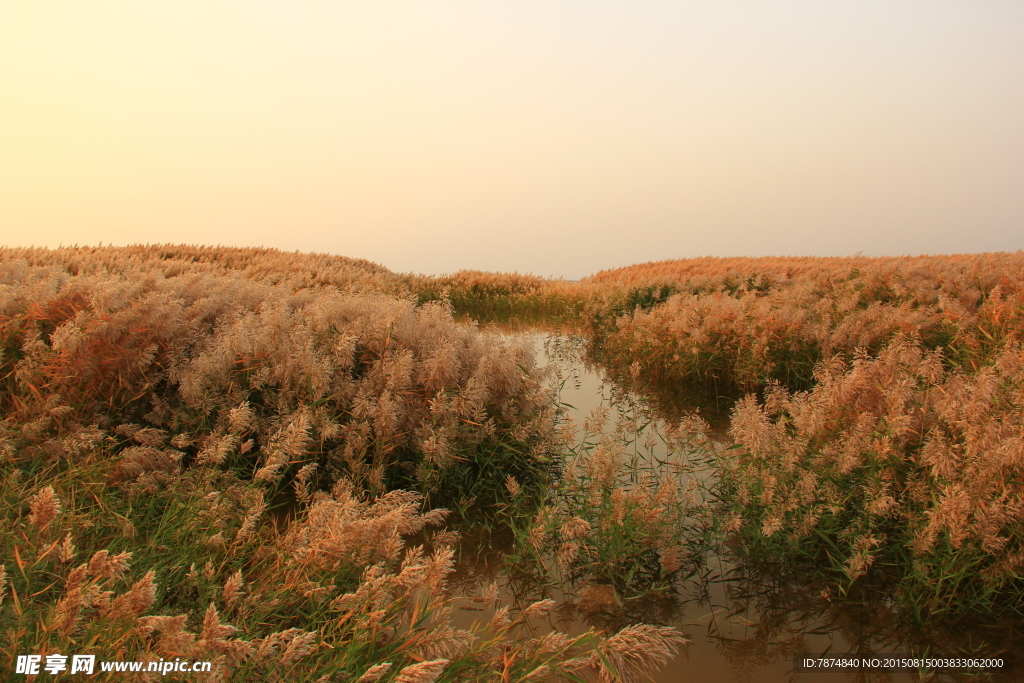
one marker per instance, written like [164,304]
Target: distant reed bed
[505,296]
[270,266]
[734,325]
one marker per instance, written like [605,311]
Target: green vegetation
[620,515]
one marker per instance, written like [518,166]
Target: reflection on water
[745,622]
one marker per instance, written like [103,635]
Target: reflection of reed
[757,617]
[766,614]
[668,398]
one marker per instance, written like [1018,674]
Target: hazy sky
[550,137]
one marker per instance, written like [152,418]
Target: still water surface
[744,624]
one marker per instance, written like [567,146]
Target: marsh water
[745,622]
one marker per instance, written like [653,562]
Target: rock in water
[597,597]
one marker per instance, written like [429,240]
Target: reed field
[240,456]
[877,407]
[267,460]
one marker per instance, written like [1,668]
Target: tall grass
[627,509]
[881,429]
[893,465]
[266,433]
[738,330]
[220,370]
[200,452]
[198,570]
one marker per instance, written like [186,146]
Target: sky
[550,137]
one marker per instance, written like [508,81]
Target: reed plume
[44,508]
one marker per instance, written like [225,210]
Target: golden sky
[550,137]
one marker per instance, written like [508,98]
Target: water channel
[744,624]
